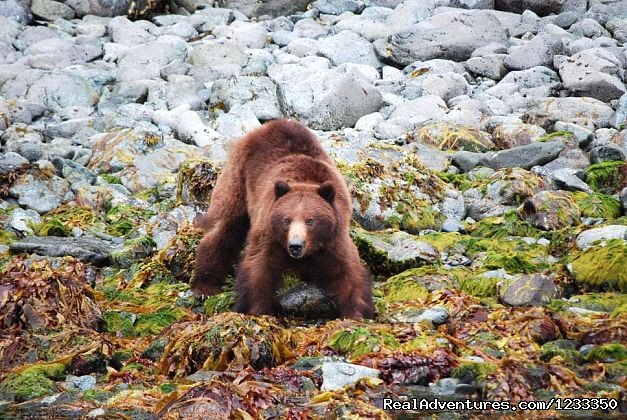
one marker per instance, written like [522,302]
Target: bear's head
[303,218]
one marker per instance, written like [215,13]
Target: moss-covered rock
[360,341]
[125,218]
[448,136]
[26,386]
[500,227]
[481,286]
[550,210]
[608,353]
[61,221]
[34,381]
[602,267]
[471,371]
[564,350]
[196,179]
[597,205]
[391,252]
[131,251]
[405,195]
[607,177]
[222,302]
[509,253]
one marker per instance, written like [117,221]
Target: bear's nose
[295,247]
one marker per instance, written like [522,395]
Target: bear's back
[277,139]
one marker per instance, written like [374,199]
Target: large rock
[550,210]
[91,250]
[51,10]
[100,8]
[16,11]
[537,52]
[541,7]
[596,73]
[252,8]
[524,156]
[452,35]
[529,290]
[587,238]
[348,47]
[576,110]
[392,252]
[520,89]
[40,193]
[255,93]
[329,100]
[59,91]
[337,375]
[146,61]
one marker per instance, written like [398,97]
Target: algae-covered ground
[503,311]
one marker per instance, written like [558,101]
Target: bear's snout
[295,247]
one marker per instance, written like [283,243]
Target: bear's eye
[287,221]
[309,222]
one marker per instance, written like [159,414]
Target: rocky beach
[484,143]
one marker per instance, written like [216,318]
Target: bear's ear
[280,189]
[327,191]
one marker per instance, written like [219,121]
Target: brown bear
[282,196]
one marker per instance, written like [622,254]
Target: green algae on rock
[602,267]
[61,221]
[33,381]
[221,302]
[390,252]
[550,210]
[360,341]
[500,227]
[404,195]
[597,205]
[607,177]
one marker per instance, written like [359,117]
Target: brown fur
[245,208]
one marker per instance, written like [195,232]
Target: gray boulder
[541,7]
[337,375]
[451,35]
[40,194]
[491,66]
[146,61]
[605,153]
[16,11]
[537,52]
[253,8]
[255,93]
[596,73]
[547,111]
[51,10]
[329,100]
[90,250]
[59,91]
[587,238]
[307,301]
[529,290]
[348,47]
[524,156]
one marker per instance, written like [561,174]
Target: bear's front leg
[352,290]
[256,283]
